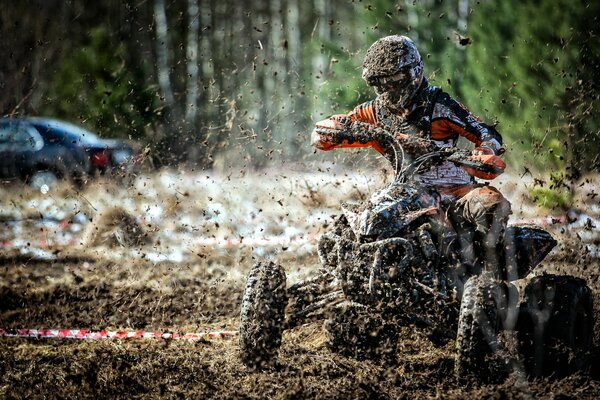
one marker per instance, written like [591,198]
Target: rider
[406,105]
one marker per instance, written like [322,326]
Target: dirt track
[98,290]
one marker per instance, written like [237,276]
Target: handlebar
[425,151]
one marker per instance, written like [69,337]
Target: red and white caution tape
[94,335]
[542,221]
[20,243]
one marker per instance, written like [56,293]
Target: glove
[482,150]
[484,166]
[326,132]
[337,132]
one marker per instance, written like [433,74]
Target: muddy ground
[198,286]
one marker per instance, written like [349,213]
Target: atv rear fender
[525,247]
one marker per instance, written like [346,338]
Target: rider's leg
[487,210]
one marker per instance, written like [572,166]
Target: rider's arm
[364,112]
[451,119]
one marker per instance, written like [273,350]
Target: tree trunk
[319,61]
[295,68]
[462,28]
[162,64]
[173,147]
[192,92]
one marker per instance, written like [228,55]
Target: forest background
[221,82]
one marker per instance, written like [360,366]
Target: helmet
[393,66]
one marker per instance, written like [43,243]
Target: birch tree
[295,68]
[192,91]
[320,35]
[162,60]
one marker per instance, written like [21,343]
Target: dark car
[38,149]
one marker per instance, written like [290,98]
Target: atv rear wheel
[262,314]
[557,325]
[483,309]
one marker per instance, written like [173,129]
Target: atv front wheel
[483,309]
[262,314]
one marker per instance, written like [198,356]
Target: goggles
[389,81]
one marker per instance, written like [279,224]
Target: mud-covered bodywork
[390,211]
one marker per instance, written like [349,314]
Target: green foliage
[532,68]
[93,83]
[344,87]
[550,198]
[558,195]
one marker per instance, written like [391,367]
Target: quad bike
[397,260]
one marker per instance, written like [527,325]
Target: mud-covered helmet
[393,66]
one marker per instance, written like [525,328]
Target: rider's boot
[489,241]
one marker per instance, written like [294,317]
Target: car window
[19,137]
[65,133]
